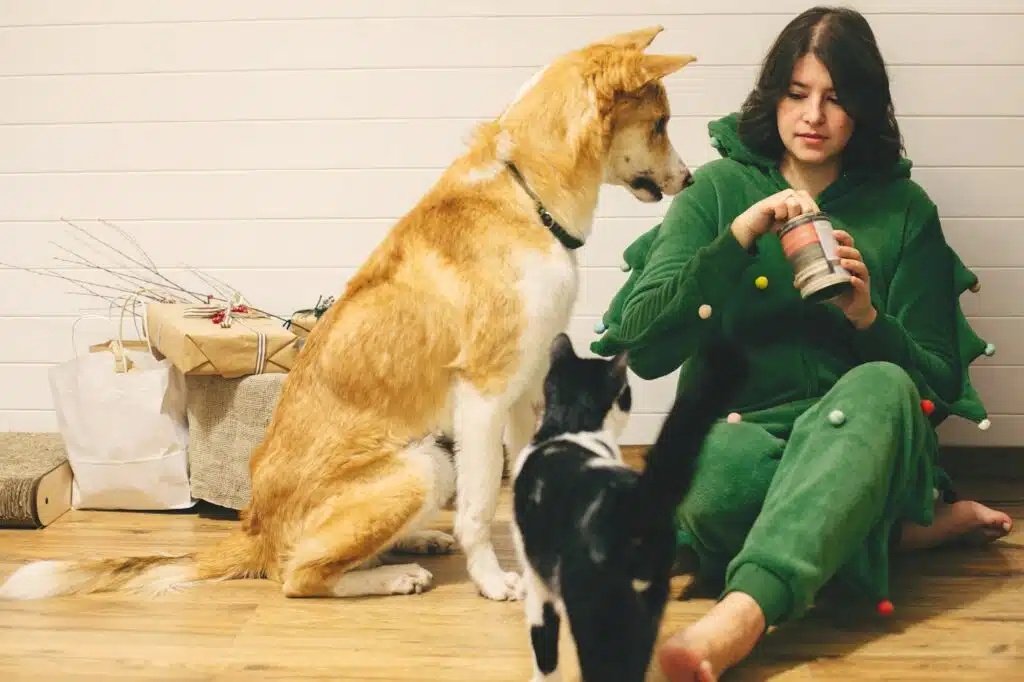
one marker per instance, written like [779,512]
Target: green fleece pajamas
[875,466]
[785,500]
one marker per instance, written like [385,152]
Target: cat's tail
[711,379]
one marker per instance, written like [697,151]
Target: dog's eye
[660,125]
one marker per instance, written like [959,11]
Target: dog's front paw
[502,586]
[407,579]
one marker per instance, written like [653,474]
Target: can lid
[803,218]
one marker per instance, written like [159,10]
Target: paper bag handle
[118,343]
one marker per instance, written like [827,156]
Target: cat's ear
[561,347]
[620,363]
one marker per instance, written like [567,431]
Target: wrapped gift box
[303,321]
[199,344]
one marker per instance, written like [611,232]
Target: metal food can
[810,247]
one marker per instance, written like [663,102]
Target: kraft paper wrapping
[198,346]
[303,323]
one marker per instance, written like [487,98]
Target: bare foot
[718,641]
[963,521]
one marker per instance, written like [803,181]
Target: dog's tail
[711,380]
[237,556]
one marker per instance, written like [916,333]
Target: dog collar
[567,240]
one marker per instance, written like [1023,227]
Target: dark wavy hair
[844,42]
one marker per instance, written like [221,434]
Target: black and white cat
[595,538]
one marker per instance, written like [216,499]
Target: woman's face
[813,126]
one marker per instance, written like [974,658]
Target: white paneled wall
[271,144]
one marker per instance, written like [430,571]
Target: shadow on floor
[925,585]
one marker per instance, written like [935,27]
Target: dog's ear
[634,40]
[656,66]
[634,72]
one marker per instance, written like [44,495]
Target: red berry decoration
[928,406]
[885,608]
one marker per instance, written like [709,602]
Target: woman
[832,460]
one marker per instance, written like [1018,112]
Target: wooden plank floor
[960,616]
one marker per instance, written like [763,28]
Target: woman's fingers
[859,286]
[807,204]
[793,207]
[789,204]
[849,252]
[855,268]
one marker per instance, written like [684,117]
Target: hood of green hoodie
[725,138]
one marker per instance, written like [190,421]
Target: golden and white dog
[445,330]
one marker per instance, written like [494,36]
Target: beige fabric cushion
[227,419]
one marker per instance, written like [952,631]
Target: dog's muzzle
[650,186]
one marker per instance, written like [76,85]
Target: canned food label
[799,237]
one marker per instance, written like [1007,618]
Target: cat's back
[563,471]
[564,491]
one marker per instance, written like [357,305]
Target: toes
[516,585]
[427,542]
[679,662]
[436,542]
[503,587]
[442,543]
[984,535]
[998,526]
[406,585]
[997,530]
[411,579]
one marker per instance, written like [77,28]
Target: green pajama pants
[785,500]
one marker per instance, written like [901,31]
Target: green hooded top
[799,349]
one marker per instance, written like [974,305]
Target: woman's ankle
[723,638]
[771,593]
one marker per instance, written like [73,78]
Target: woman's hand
[856,304]
[771,213]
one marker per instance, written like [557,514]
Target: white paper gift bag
[122,415]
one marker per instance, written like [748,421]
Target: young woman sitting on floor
[832,462]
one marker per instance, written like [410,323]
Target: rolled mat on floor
[35,479]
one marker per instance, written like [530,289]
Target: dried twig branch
[150,268]
[124,233]
[129,287]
